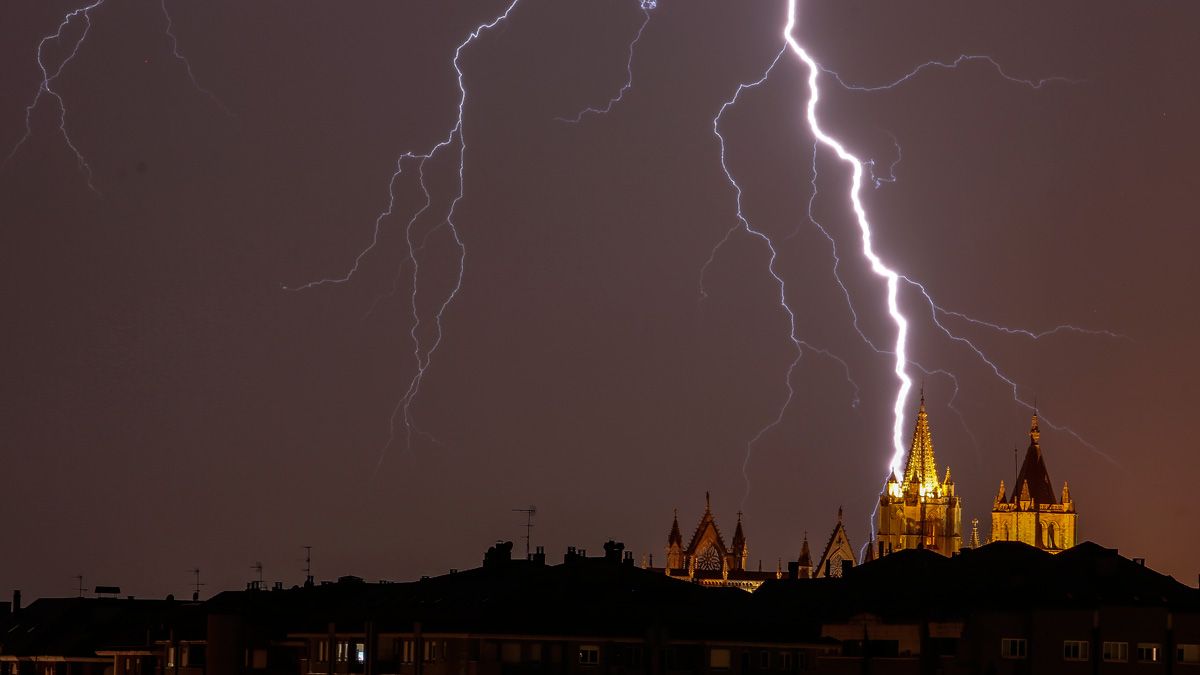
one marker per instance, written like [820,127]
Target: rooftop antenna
[308,578]
[196,583]
[79,578]
[529,513]
[257,567]
[1016,471]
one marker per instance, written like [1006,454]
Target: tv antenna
[529,514]
[257,567]
[308,578]
[196,583]
[79,578]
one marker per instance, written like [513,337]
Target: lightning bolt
[423,350]
[861,169]
[742,224]
[179,56]
[46,85]
[962,59]
[878,266]
[646,6]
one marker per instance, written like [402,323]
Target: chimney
[499,554]
[880,548]
[613,551]
[793,569]
[539,556]
[1141,562]
[628,559]
[16,603]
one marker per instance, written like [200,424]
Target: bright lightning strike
[46,85]
[878,266]
[646,6]
[892,278]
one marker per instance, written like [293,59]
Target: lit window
[170,657]
[1075,650]
[429,651]
[718,658]
[406,651]
[360,652]
[1187,653]
[589,655]
[1116,651]
[1149,652]
[1013,648]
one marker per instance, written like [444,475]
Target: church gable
[707,548]
[836,551]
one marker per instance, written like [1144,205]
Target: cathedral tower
[1032,514]
[920,511]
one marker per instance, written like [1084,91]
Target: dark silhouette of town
[920,600]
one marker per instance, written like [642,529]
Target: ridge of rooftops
[610,595]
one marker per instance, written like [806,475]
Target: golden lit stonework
[1032,514]
[919,511]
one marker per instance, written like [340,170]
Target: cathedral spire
[675,537]
[1033,469]
[921,467]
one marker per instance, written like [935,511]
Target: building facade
[1032,514]
[919,511]
[707,560]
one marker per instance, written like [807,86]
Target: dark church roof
[1033,471]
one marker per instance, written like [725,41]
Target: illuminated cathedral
[916,510]
[1032,514]
[919,511]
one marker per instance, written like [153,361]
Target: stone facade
[1032,514]
[920,511]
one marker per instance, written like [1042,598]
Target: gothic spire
[675,537]
[1033,469]
[921,467]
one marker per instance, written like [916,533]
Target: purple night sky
[168,404]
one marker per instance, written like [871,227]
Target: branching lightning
[647,6]
[49,76]
[742,224]
[423,350]
[860,169]
[46,85]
